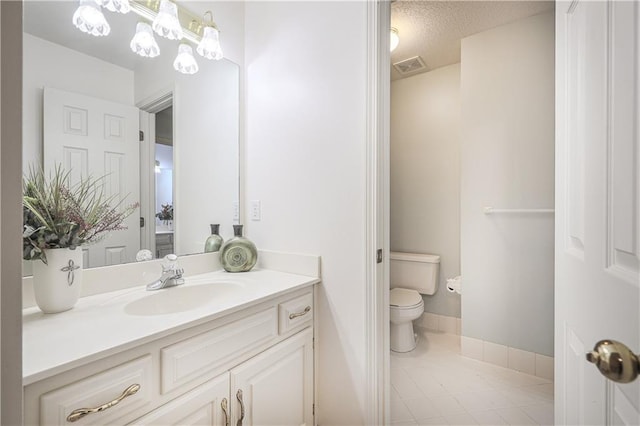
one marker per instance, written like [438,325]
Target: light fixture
[185,63]
[120,6]
[209,46]
[167,19]
[166,22]
[157,167]
[89,19]
[395,39]
[143,43]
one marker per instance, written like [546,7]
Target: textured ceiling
[433,29]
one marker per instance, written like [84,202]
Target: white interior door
[94,137]
[598,211]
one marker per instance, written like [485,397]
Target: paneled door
[94,137]
[598,211]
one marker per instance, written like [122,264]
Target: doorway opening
[157,187]
[472,104]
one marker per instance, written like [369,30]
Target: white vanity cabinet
[273,388]
[206,405]
[253,366]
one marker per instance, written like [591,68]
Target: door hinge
[313,343]
[379,256]
[313,410]
[142,222]
[141,135]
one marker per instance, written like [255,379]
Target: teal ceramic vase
[238,254]
[214,242]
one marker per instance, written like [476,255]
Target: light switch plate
[236,211]
[255,210]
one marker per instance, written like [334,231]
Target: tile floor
[435,385]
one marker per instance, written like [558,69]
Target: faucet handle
[170,262]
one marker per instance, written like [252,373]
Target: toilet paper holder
[454,285]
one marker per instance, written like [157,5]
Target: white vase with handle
[57,283]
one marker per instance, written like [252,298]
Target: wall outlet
[255,210]
[236,211]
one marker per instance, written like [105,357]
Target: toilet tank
[414,271]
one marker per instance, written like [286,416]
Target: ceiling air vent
[411,65]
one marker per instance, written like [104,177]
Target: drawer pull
[239,396]
[299,314]
[81,412]
[224,406]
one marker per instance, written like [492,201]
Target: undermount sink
[180,298]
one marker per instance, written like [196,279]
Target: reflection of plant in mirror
[59,215]
[166,214]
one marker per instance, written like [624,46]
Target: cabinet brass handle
[301,313]
[81,412]
[223,404]
[239,396]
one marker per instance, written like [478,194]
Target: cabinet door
[276,386]
[206,405]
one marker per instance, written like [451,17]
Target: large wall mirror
[86,102]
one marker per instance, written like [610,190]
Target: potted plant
[58,218]
[166,214]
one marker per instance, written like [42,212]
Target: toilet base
[402,338]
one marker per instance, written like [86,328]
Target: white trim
[377,207]
[528,362]
[155,103]
[441,323]
[147,181]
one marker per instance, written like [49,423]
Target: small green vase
[238,254]
[214,242]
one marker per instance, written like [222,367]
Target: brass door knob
[615,361]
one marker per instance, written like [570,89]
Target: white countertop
[107,323]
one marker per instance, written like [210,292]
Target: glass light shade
[166,22]
[209,46]
[120,6]
[143,43]
[395,39]
[89,19]
[185,62]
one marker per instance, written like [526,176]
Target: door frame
[148,109]
[377,202]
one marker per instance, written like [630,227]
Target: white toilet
[411,275]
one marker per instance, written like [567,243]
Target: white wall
[425,174]
[507,161]
[206,154]
[305,161]
[51,65]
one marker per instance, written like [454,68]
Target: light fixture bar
[190,23]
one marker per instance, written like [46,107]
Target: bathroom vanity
[221,349]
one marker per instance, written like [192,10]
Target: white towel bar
[491,210]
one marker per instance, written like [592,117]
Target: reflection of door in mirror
[88,136]
[164,182]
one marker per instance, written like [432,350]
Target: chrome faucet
[171,274]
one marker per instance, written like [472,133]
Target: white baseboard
[515,359]
[441,323]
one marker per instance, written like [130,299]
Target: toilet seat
[403,298]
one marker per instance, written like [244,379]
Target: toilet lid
[403,297]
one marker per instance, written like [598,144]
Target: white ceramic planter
[57,284]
